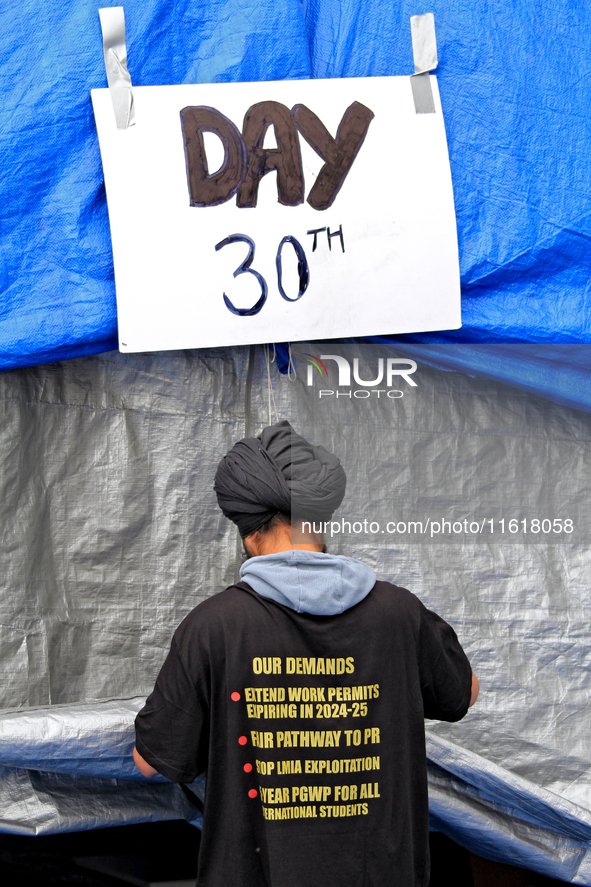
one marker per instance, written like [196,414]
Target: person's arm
[448,684]
[475,690]
[143,766]
[171,729]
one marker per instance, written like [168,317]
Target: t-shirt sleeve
[171,729]
[445,672]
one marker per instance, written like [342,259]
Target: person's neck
[291,547]
[280,539]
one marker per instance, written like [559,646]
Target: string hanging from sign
[270,393]
[239,558]
[291,367]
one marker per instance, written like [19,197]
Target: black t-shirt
[311,730]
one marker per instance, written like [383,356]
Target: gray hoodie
[309,581]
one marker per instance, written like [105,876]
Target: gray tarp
[111,534]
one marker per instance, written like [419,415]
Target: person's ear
[252,544]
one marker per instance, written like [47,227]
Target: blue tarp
[560,372]
[515,101]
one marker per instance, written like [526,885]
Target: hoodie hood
[309,581]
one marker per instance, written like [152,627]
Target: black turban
[278,471]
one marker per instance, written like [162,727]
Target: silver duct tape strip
[422,93]
[424,43]
[424,49]
[115,52]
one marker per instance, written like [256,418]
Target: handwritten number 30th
[244,268]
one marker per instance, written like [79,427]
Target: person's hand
[145,768]
[475,690]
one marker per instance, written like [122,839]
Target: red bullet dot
[235,697]
[247,768]
[252,793]
[242,740]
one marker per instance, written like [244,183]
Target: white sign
[283,211]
